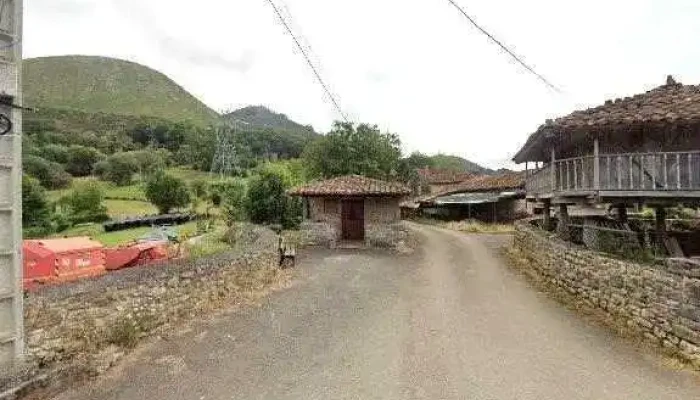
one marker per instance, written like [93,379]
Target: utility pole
[11,315]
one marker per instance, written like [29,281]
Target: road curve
[447,322]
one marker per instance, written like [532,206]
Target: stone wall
[92,322]
[660,301]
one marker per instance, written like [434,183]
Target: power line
[308,60]
[502,46]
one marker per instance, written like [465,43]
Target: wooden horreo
[643,149]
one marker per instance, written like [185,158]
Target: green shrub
[85,203]
[118,168]
[36,213]
[166,192]
[267,201]
[50,174]
[82,160]
[56,153]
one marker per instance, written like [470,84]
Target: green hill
[263,117]
[108,85]
[459,164]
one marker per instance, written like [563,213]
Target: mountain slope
[456,163]
[263,117]
[108,85]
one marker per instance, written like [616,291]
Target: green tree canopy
[349,149]
[82,159]
[267,198]
[36,218]
[167,192]
[49,173]
[86,203]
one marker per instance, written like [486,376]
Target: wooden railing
[539,180]
[661,171]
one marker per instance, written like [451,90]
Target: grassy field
[78,82]
[130,201]
[119,209]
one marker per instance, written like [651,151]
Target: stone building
[436,180]
[497,198]
[352,208]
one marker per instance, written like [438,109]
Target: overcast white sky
[415,67]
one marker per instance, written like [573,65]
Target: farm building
[498,198]
[640,150]
[352,208]
[436,180]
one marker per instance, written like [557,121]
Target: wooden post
[553,178]
[653,172]
[629,164]
[678,171]
[665,166]
[563,225]
[546,214]
[619,172]
[641,171]
[596,165]
[690,170]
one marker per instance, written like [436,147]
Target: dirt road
[448,322]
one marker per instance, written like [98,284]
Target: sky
[413,67]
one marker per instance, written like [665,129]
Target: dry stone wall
[661,301]
[92,322]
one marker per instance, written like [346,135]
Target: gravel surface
[449,321]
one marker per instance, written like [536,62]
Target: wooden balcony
[660,175]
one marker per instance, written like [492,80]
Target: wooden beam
[553,178]
[678,171]
[596,165]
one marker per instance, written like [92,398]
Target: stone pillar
[622,213]
[563,223]
[660,213]
[547,214]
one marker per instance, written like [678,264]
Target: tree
[118,168]
[233,200]
[36,213]
[85,203]
[267,200]
[361,150]
[82,160]
[408,169]
[51,175]
[166,192]
[55,152]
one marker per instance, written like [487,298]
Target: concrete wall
[382,215]
[661,301]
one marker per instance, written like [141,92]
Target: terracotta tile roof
[438,176]
[508,181]
[667,104]
[351,185]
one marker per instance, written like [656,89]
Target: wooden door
[353,219]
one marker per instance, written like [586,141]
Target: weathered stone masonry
[88,321]
[382,221]
[661,301]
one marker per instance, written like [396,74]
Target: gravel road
[447,322]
